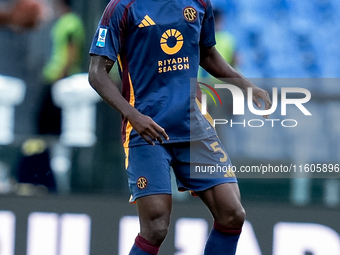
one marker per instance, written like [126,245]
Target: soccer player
[159,45]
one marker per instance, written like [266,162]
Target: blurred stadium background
[85,210]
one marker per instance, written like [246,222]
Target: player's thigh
[148,171]
[224,202]
[211,160]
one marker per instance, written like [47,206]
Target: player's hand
[259,93]
[148,129]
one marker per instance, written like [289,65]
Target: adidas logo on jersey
[146,22]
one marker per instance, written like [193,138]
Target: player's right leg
[154,217]
[150,186]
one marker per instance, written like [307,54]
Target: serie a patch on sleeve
[101,37]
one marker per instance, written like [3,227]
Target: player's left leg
[224,203]
[217,188]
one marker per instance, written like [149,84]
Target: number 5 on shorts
[217,148]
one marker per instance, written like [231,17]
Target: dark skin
[102,83]
[154,211]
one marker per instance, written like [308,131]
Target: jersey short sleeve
[208,27]
[108,38]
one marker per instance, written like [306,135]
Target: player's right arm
[100,80]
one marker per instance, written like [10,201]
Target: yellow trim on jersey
[127,152]
[128,128]
[207,116]
[120,62]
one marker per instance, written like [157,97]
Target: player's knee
[239,217]
[157,230]
[233,217]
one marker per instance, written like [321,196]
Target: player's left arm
[214,63]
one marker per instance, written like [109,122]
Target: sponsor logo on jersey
[101,37]
[146,22]
[171,43]
[171,35]
[173,64]
[190,14]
